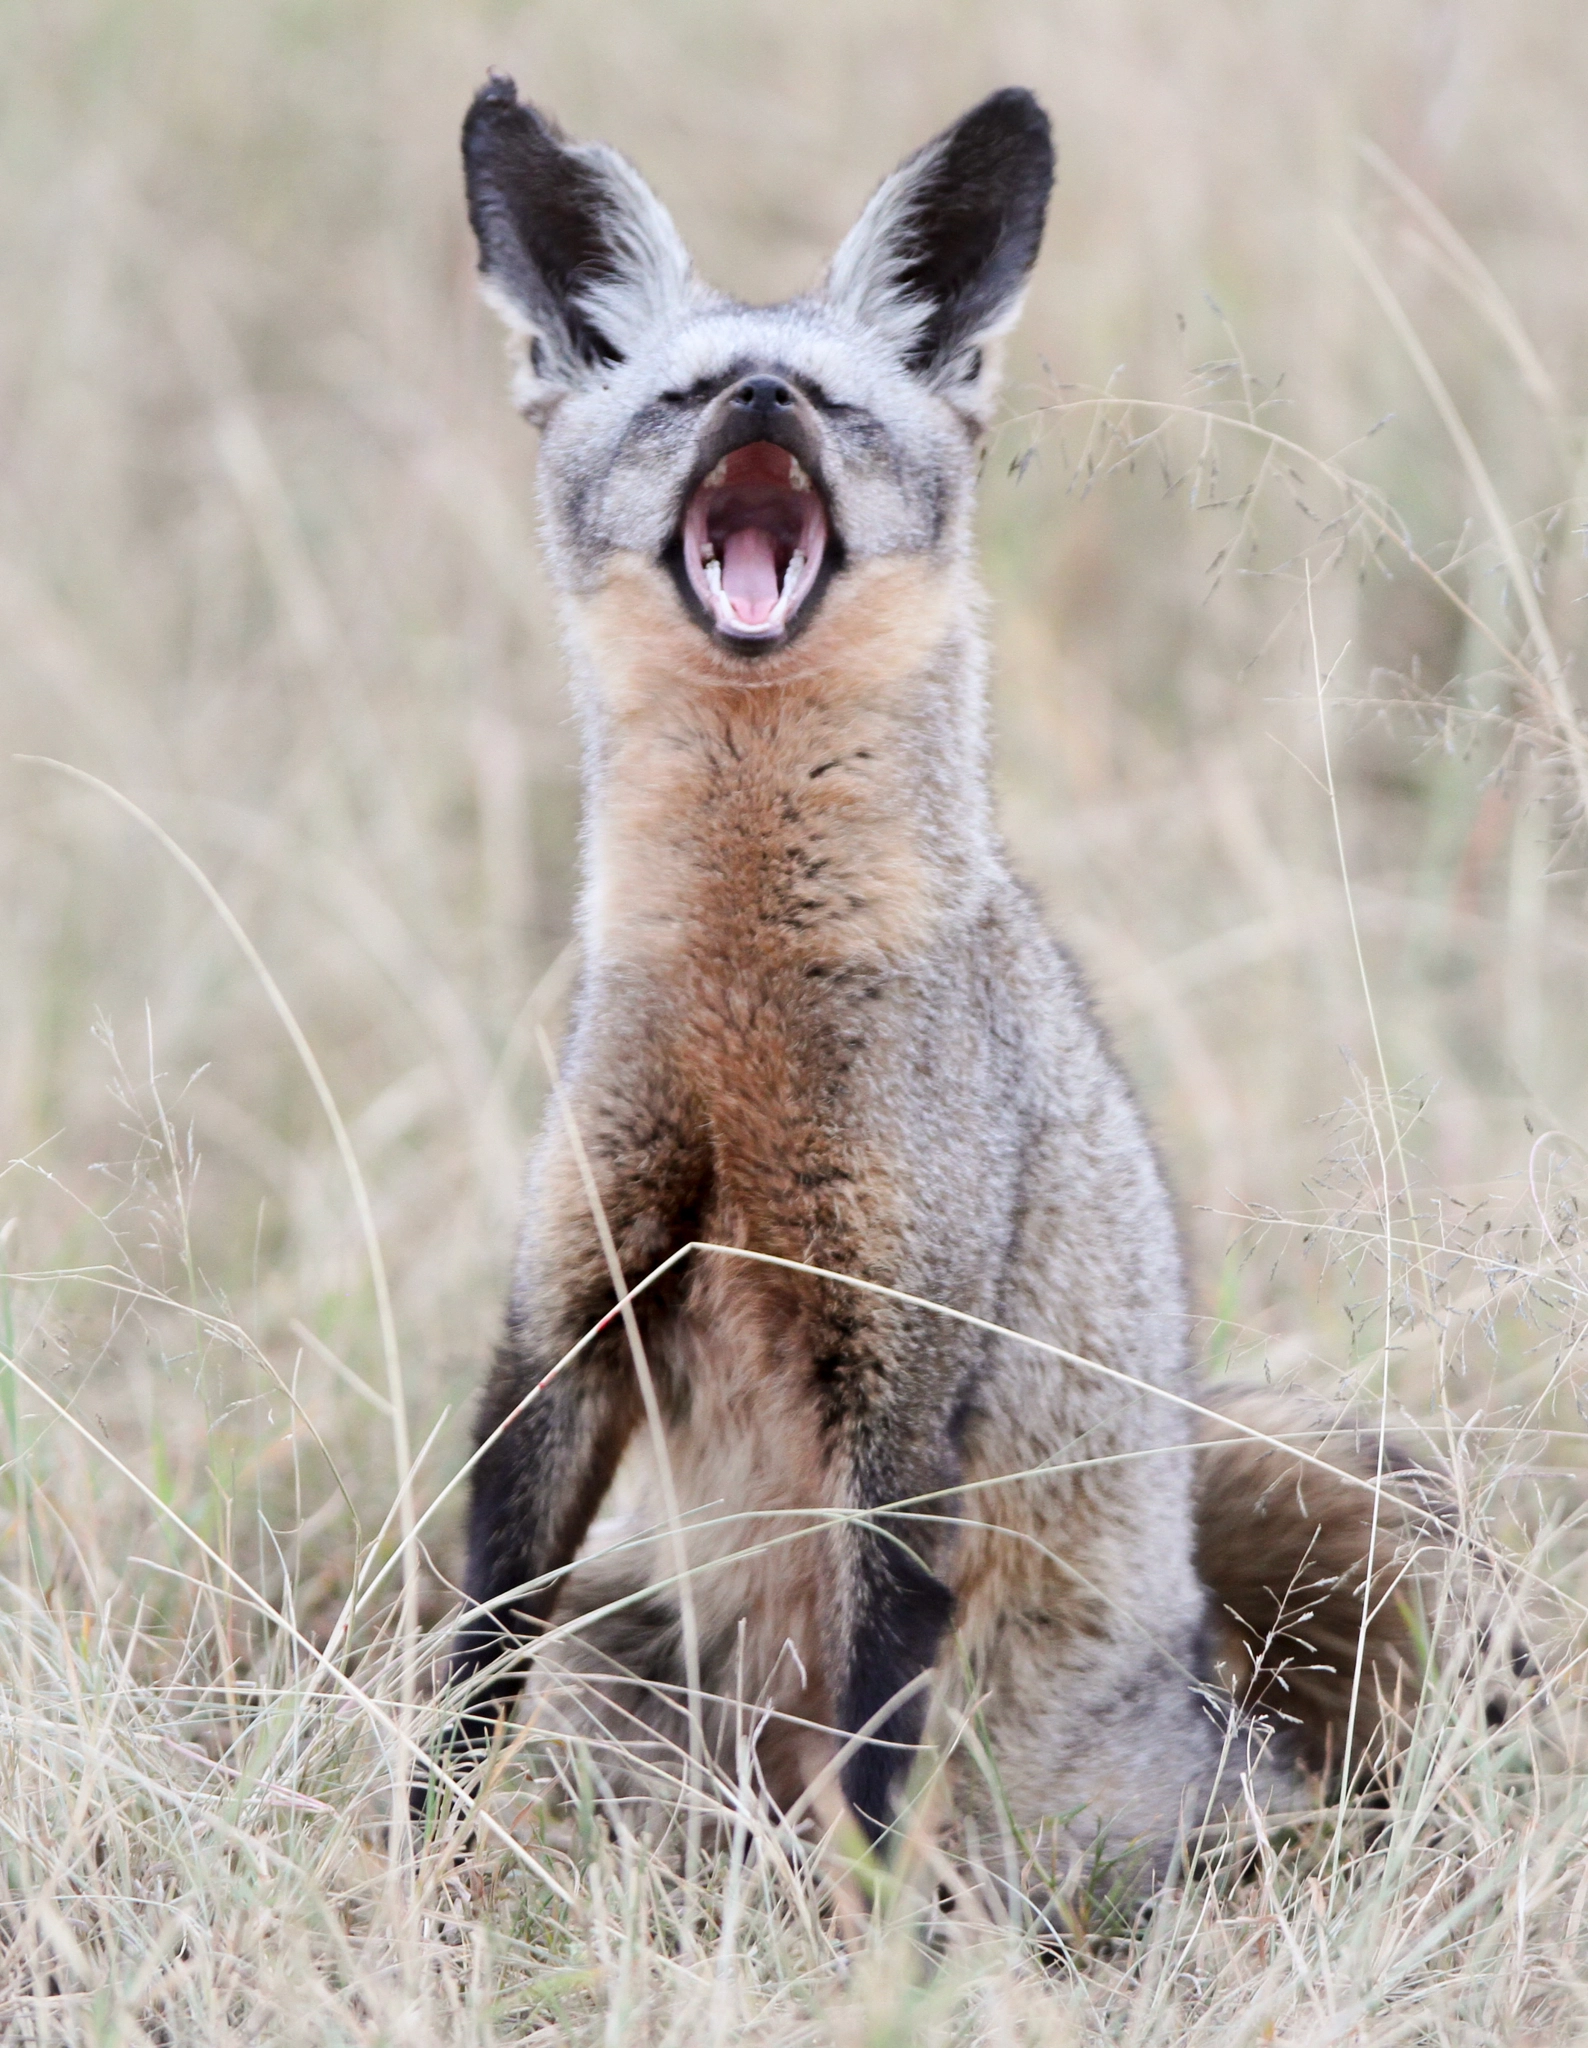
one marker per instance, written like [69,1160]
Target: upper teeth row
[797,479]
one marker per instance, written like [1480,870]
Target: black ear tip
[1013,118]
[498,91]
[1017,106]
[493,109]
[497,114]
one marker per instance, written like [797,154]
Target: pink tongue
[749,574]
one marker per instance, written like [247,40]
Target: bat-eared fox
[906,1484]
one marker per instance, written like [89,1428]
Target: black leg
[898,1612]
[534,1493]
[892,1395]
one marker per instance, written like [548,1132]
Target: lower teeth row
[791,577]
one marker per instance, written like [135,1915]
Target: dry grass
[1285,538]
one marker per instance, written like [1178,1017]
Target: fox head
[750,459]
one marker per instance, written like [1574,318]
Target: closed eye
[824,401]
[705,388]
[698,392]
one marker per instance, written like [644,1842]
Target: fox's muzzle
[756,535]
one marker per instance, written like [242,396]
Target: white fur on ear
[938,261]
[868,277]
[649,279]
[528,354]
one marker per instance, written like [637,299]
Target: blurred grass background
[268,567]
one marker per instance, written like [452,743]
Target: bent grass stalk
[395,1395]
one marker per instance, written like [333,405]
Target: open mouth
[755,533]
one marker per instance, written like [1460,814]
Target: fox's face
[753,456]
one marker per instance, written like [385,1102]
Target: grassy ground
[1285,536]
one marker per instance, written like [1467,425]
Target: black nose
[764,395]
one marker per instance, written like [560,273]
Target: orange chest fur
[741,827]
[754,883]
[761,866]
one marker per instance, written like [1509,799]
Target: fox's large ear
[577,254]
[938,261]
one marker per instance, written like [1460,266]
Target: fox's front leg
[548,1452]
[893,1417]
[535,1491]
[896,1611]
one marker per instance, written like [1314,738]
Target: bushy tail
[1283,1543]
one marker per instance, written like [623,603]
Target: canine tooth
[797,479]
[708,552]
[719,476]
[714,578]
[792,575]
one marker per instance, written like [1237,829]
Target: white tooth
[785,597]
[708,552]
[719,476]
[797,479]
[714,578]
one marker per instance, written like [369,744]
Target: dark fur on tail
[1283,1545]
